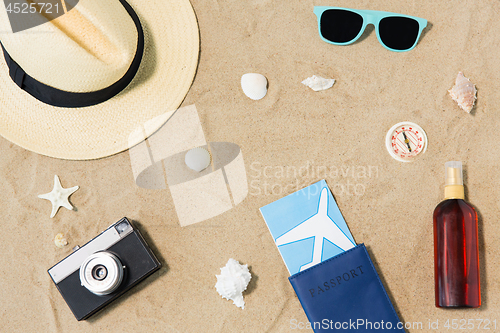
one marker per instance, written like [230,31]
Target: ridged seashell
[233,281]
[197,159]
[463,92]
[318,83]
[254,85]
[60,241]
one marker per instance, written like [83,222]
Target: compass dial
[405,141]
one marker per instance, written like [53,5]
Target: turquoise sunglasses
[343,26]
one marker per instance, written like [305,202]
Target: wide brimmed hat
[77,87]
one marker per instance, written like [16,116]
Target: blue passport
[345,293]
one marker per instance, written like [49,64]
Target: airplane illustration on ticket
[307,227]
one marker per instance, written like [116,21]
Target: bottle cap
[453,173]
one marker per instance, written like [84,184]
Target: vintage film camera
[103,269]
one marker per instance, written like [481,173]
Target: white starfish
[59,196]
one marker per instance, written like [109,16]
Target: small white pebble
[197,159]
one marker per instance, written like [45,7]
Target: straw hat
[95,47]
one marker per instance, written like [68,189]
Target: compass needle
[407,141]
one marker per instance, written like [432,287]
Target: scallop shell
[197,159]
[233,281]
[318,83]
[60,241]
[463,92]
[254,85]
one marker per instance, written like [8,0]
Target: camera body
[103,269]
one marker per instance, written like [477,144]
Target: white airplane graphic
[319,226]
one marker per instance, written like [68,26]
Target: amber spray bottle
[456,254]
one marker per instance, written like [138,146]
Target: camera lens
[101,273]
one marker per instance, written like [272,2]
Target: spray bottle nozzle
[453,174]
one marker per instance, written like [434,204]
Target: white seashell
[60,241]
[318,83]
[197,159]
[463,92]
[233,281]
[254,85]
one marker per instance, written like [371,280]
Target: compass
[405,141]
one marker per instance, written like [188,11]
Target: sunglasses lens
[398,33]
[340,26]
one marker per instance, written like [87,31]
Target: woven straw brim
[161,84]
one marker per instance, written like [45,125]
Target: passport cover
[345,292]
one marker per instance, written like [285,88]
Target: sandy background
[293,127]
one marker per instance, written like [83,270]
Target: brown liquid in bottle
[456,254]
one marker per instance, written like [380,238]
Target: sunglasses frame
[370,17]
